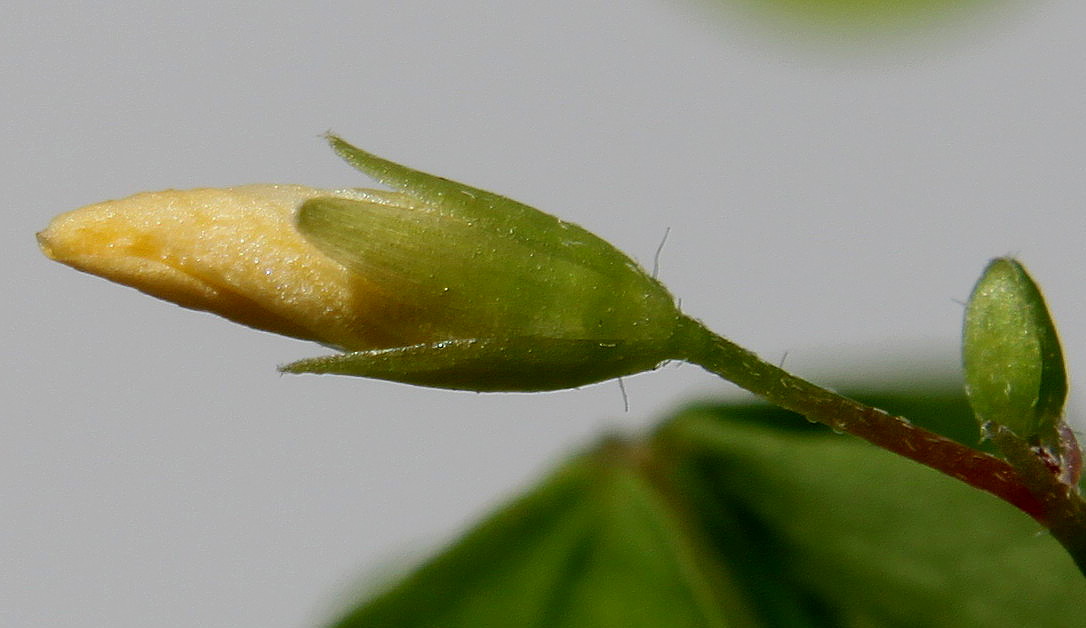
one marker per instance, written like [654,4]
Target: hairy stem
[741,367]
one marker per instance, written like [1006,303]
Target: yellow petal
[232,251]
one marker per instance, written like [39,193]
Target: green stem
[741,367]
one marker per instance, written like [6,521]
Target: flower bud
[1014,369]
[232,251]
[435,283]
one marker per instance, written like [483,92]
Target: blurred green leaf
[860,19]
[593,545]
[741,515]
[859,10]
[879,540]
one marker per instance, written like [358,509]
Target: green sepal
[475,291]
[458,279]
[1014,370]
[485,211]
[442,192]
[494,365]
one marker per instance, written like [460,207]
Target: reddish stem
[983,471]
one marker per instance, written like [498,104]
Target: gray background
[826,201]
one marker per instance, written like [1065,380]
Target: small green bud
[1014,373]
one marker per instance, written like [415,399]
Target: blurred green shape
[593,545]
[860,18]
[744,515]
[863,9]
